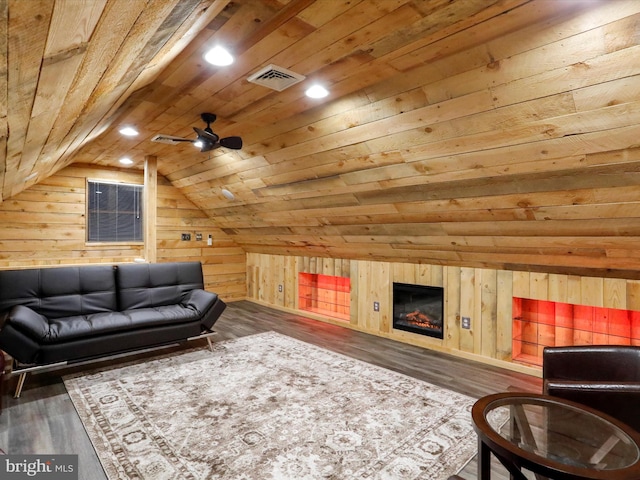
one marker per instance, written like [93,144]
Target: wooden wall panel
[355,286]
[452,307]
[223,263]
[468,309]
[614,293]
[489,313]
[483,295]
[504,315]
[45,225]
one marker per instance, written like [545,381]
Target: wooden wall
[483,295]
[45,225]
[224,264]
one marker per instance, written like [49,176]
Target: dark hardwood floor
[44,420]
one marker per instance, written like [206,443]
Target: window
[114,212]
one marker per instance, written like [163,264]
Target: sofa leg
[210,343]
[21,380]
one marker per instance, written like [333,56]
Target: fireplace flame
[420,319]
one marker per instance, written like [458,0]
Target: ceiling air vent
[276,78]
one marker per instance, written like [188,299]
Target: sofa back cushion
[147,285]
[61,291]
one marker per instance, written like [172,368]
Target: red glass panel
[540,323]
[635,327]
[619,323]
[325,294]
[546,312]
[583,318]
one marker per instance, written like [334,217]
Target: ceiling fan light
[219,56]
[128,131]
[198,144]
[208,146]
[317,91]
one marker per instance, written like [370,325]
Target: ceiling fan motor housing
[206,136]
[208,118]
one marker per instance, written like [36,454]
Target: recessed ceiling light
[219,57]
[126,161]
[317,91]
[128,131]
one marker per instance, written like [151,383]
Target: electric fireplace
[418,309]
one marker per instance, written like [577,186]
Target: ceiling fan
[206,139]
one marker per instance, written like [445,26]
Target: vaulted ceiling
[489,133]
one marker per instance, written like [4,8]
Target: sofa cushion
[156,284]
[60,292]
[82,326]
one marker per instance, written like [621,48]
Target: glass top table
[553,438]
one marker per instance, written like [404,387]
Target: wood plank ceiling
[486,133]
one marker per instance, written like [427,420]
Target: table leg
[484,461]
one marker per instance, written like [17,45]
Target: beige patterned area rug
[269,407]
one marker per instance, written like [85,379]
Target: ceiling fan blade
[234,143]
[169,139]
[206,136]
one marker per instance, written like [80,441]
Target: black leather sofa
[67,314]
[604,377]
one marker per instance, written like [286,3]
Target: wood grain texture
[483,135]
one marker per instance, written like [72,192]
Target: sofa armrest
[21,332]
[208,305]
[199,300]
[27,321]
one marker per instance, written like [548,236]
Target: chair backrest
[592,363]
[604,377]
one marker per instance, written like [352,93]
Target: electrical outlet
[376,306]
[466,323]
[280,288]
[198,237]
[186,236]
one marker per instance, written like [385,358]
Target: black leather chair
[1,379]
[604,377]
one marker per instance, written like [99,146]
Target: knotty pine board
[484,295]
